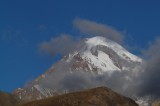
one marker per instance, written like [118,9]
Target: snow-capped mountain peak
[102,55]
[97,55]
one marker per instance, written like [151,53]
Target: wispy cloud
[42,27]
[151,76]
[92,28]
[10,36]
[63,44]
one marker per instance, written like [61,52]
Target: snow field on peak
[102,61]
[123,53]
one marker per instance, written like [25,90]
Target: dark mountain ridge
[101,96]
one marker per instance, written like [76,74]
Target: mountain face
[100,96]
[96,56]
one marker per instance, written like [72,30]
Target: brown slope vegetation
[100,96]
[156,103]
[7,99]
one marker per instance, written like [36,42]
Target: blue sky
[26,24]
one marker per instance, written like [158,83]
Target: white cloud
[97,29]
[60,45]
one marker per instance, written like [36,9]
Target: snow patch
[40,90]
[123,53]
[98,61]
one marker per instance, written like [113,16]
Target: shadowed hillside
[100,96]
[156,103]
[7,99]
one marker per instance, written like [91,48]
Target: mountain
[93,57]
[8,99]
[100,96]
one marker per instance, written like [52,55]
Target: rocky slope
[100,96]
